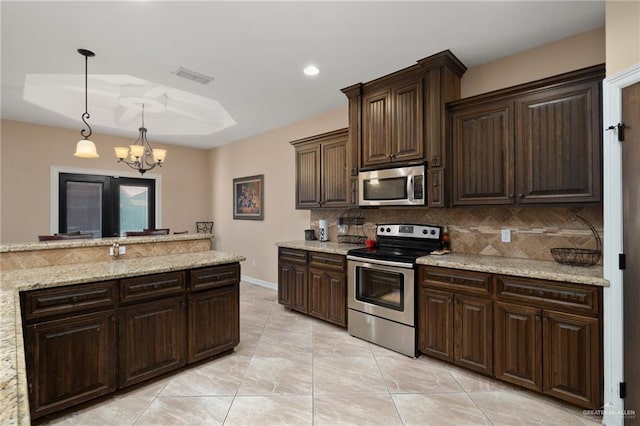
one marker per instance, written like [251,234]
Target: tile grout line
[469,396]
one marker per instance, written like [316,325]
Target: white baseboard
[256,281]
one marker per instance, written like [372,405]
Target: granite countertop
[13,386]
[323,247]
[96,242]
[529,268]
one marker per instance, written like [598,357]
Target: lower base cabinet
[143,328]
[70,360]
[152,337]
[543,335]
[214,324]
[313,283]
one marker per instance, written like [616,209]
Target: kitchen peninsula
[178,274]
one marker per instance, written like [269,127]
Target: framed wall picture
[248,198]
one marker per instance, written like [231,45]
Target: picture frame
[248,198]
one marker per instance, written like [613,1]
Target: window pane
[134,208]
[84,207]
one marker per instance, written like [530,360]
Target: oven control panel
[409,231]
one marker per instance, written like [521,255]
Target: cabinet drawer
[456,280]
[50,302]
[549,294]
[217,276]
[152,286]
[292,255]
[327,261]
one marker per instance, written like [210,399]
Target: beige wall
[623,35]
[572,53]
[269,154]
[29,151]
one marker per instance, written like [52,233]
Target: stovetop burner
[402,242]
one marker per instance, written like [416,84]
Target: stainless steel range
[382,285]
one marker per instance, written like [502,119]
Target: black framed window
[105,206]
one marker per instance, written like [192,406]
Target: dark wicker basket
[576,256]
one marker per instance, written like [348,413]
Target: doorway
[631,248]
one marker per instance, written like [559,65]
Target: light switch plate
[506,235]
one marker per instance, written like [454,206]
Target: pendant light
[85,147]
[141,156]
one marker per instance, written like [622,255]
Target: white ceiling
[256,50]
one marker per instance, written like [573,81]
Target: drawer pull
[75,299]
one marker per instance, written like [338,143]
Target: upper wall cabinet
[536,143]
[322,175]
[401,118]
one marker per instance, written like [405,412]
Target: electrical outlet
[506,235]
[122,250]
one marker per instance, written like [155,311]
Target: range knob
[388,229]
[424,231]
[381,229]
[433,232]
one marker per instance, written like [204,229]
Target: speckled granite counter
[13,386]
[324,247]
[519,267]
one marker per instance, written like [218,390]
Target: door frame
[54,191]
[613,339]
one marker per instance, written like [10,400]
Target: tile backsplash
[477,230]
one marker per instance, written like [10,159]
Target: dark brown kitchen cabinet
[328,296]
[70,360]
[152,339]
[213,311]
[518,337]
[400,118]
[322,173]
[548,338]
[456,325]
[536,143]
[313,283]
[87,340]
[392,123]
[214,325]
[482,149]
[292,279]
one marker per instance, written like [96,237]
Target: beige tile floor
[290,369]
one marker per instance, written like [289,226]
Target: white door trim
[55,173]
[612,209]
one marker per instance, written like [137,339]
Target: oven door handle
[380,262]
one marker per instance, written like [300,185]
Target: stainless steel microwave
[401,186]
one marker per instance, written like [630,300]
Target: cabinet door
[518,345]
[558,144]
[337,298]
[152,339]
[285,284]
[214,322]
[308,177]
[483,157]
[70,361]
[318,293]
[300,289]
[435,334]
[335,176]
[376,128]
[407,141]
[572,363]
[474,333]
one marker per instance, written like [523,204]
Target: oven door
[382,288]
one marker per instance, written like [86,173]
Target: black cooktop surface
[397,254]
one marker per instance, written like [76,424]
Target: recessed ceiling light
[311,70]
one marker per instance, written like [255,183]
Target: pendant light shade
[85,148]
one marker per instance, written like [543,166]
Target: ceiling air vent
[193,76]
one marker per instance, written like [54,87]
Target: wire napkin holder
[354,219]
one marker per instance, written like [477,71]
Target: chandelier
[140,156]
[85,147]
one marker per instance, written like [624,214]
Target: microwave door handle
[410,187]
